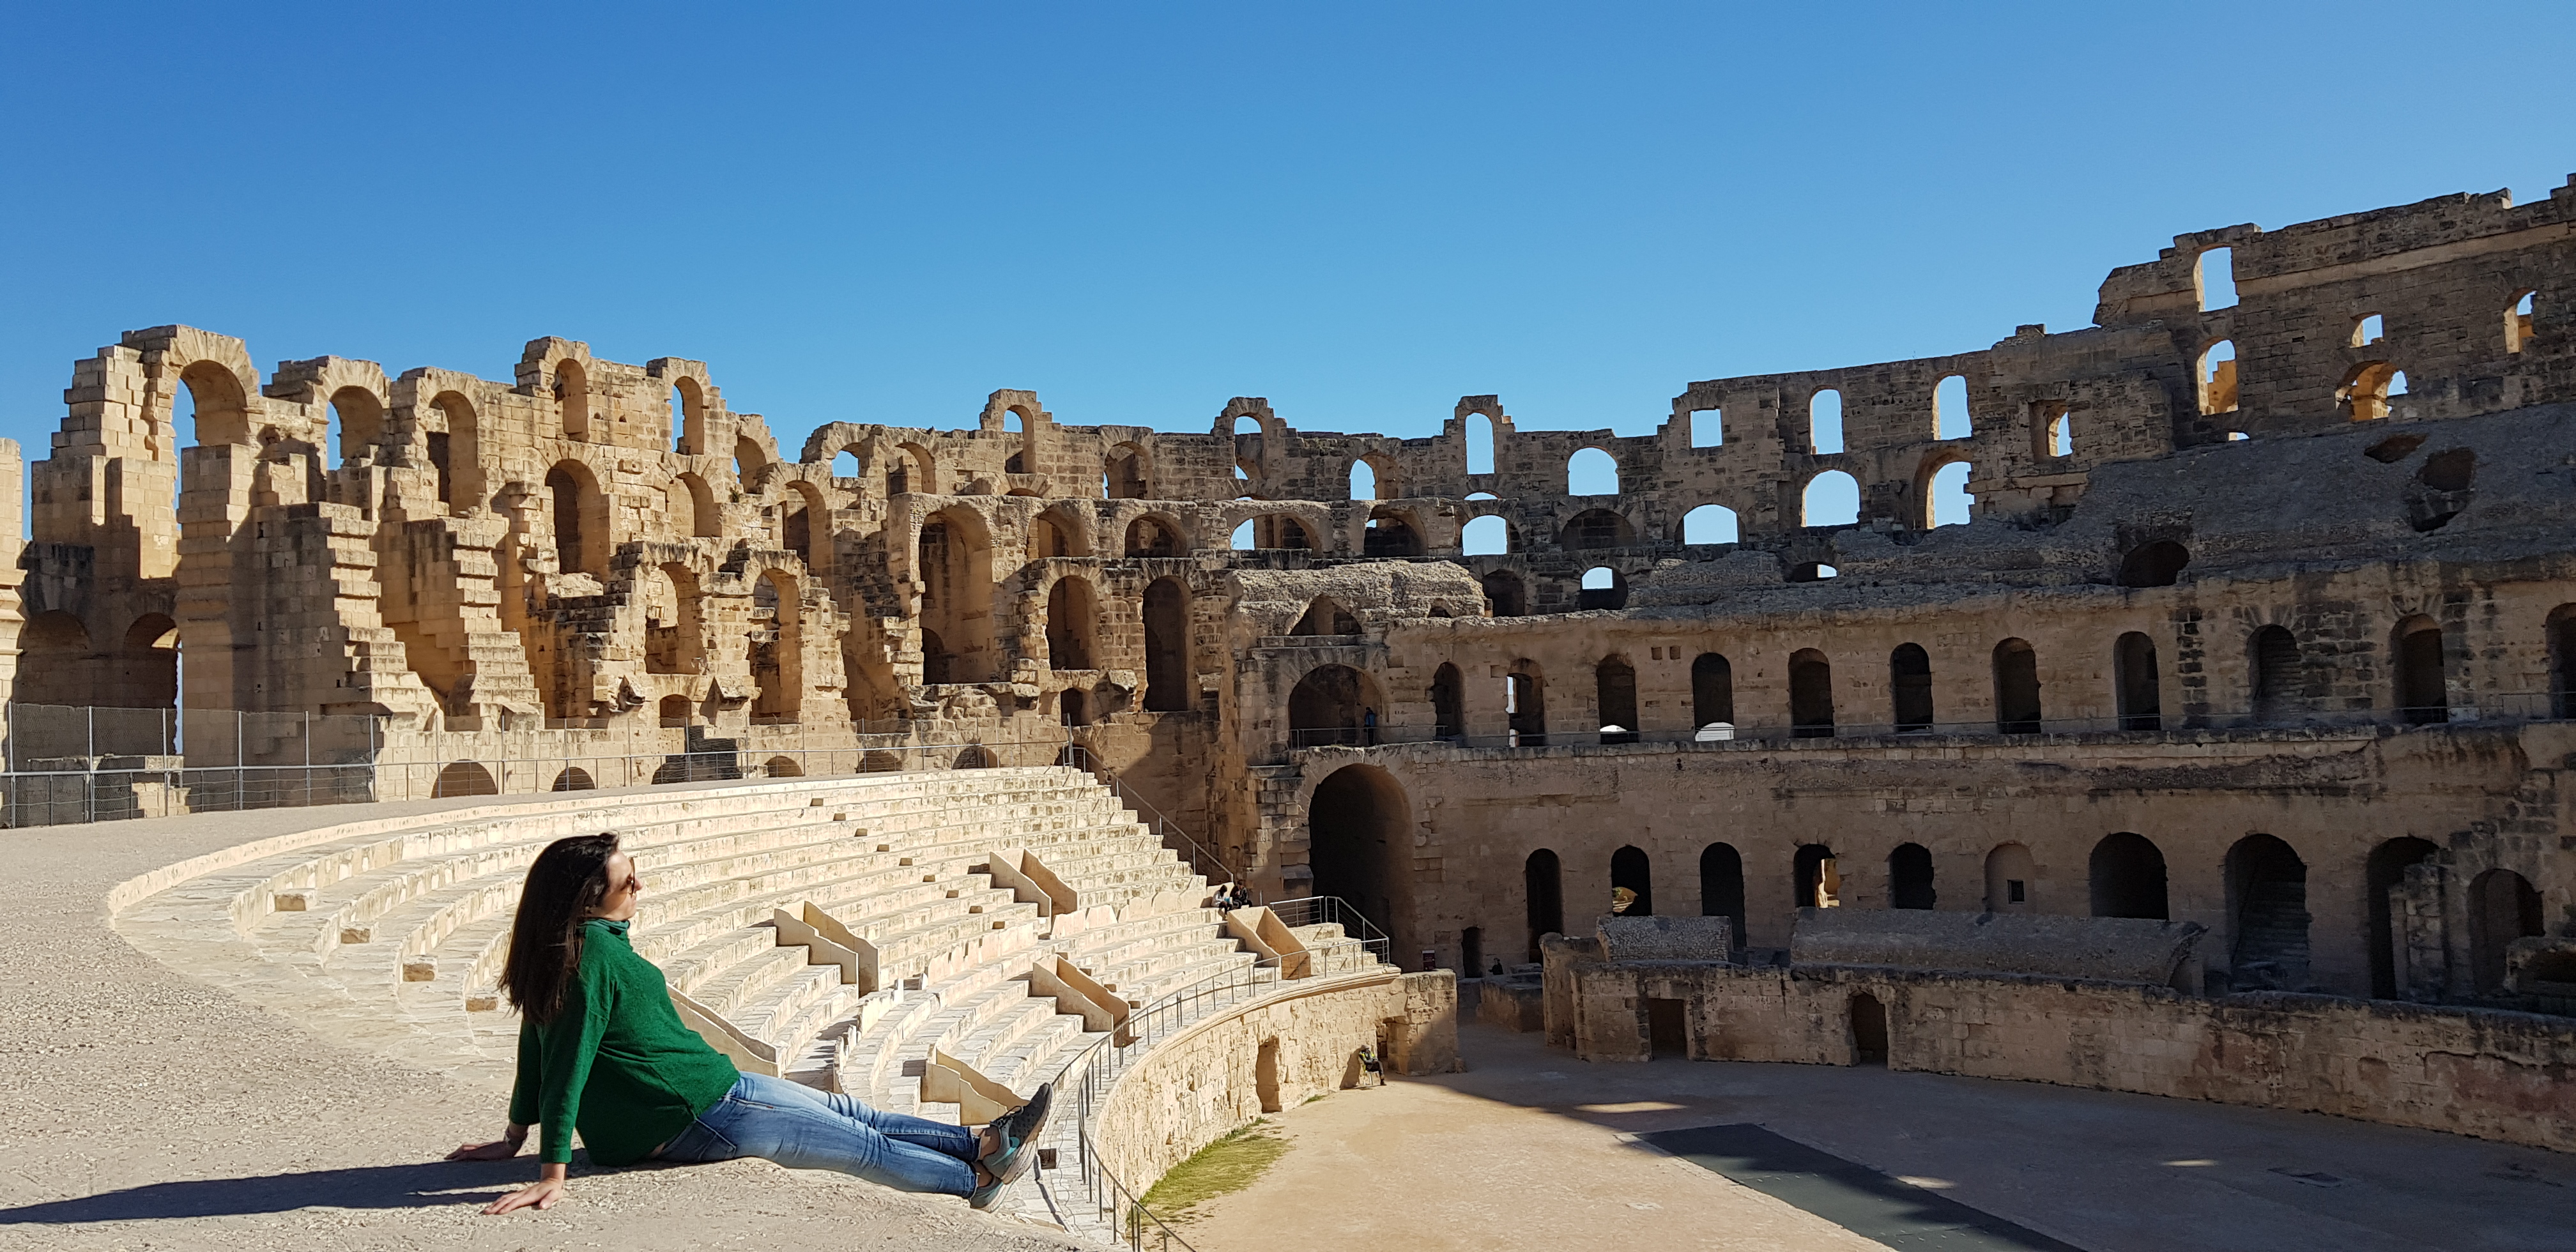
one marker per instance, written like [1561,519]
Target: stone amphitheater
[2180,706]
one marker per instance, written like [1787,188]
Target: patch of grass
[1221,1168]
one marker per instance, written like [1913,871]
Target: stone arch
[2126,874]
[1614,683]
[695,500]
[1129,472]
[2156,564]
[975,756]
[456,448]
[777,651]
[1448,703]
[1909,685]
[2278,680]
[1929,484]
[1156,535]
[579,510]
[749,459]
[675,640]
[1325,616]
[2503,907]
[1909,877]
[2420,656]
[1596,528]
[954,567]
[359,413]
[1332,704]
[782,767]
[1712,692]
[1283,531]
[572,398]
[1359,828]
[2136,689]
[1721,887]
[2267,914]
[1591,463]
[1633,871]
[1390,533]
[689,418]
[2012,880]
[1525,702]
[55,660]
[2383,872]
[1073,613]
[1811,695]
[1814,880]
[573,778]
[805,524]
[464,778]
[1167,646]
[220,396]
[1869,1031]
[2363,394]
[2017,709]
[672,712]
[915,471]
[1506,593]
[1543,892]
[1060,531]
[145,673]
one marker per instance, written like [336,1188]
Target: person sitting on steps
[602,1051]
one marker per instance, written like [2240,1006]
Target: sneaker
[984,1196]
[1018,1131]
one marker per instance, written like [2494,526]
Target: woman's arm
[500,1149]
[541,1194]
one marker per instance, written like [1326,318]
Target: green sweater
[616,1062]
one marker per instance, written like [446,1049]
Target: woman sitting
[602,1051]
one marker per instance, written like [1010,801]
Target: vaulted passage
[1909,681]
[1360,829]
[2384,875]
[2128,877]
[1721,885]
[1331,704]
[1543,890]
[1615,683]
[1071,613]
[1909,877]
[1167,656]
[1633,874]
[2267,905]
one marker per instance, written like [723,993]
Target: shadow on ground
[429,1185]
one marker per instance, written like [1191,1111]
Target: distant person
[1368,727]
[1226,900]
[602,1051]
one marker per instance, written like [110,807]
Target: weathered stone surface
[2113,949]
[1665,938]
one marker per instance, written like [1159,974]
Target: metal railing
[1097,1068]
[1203,861]
[75,765]
[1316,910]
[2486,707]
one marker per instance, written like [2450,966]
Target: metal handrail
[1083,758]
[1104,1060]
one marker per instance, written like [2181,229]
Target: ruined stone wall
[2489,1074]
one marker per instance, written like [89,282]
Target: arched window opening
[1909,877]
[1818,884]
[1721,888]
[673,712]
[462,433]
[1506,594]
[144,674]
[1614,683]
[1389,534]
[688,414]
[572,398]
[1485,536]
[55,661]
[2365,391]
[749,458]
[2503,907]
[1947,501]
[2280,681]
[1358,831]
[464,778]
[2267,911]
[1543,889]
[1707,428]
[211,407]
[1812,572]
[2562,661]
[1591,472]
[674,631]
[1525,703]
[1950,418]
[1832,499]
[954,564]
[777,652]
[1013,424]
[2016,688]
[806,525]
[1127,474]
[1603,588]
[1242,540]
[1152,537]
[580,518]
[1710,523]
[1167,647]
[1712,693]
[2382,874]
[1326,616]
[1480,444]
[2213,279]
[1811,695]
[2517,323]
[1073,707]
[2423,696]
[1331,704]
[2368,329]
[358,418]
[846,464]
[2011,880]
[1448,703]
[1868,1030]
[1594,529]
[2127,876]
[938,664]
[1825,422]
[2135,685]
[2157,564]
[706,521]
[1363,481]
[1632,883]
[1909,682]
[1071,613]
[2217,375]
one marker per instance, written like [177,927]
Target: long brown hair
[568,880]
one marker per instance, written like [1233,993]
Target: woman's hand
[541,1194]
[497,1150]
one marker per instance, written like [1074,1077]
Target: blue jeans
[801,1128]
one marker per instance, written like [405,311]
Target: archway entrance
[1543,886]
[1359,843]
[1331,704]
[2503,907]
[2267,906]
[1632,873]
[2385,870]
[2128,877]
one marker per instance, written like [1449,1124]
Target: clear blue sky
[1363,212]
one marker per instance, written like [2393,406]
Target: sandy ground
[139,1109]
[1524,1151]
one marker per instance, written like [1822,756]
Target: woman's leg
[956,1141]
[800,1133]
